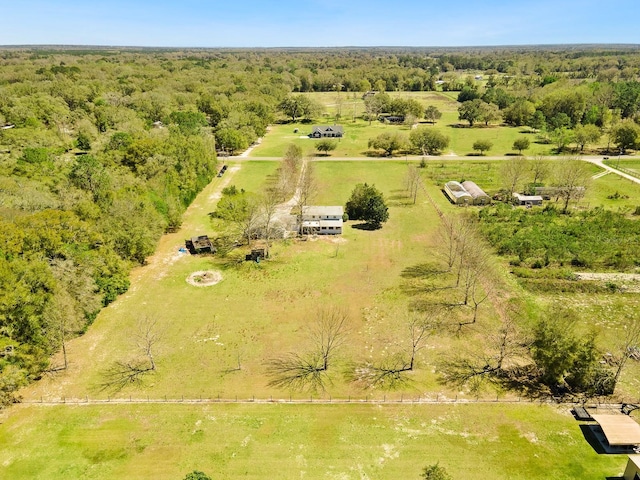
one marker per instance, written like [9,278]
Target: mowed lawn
[357,133]
[258,441]
[262,311]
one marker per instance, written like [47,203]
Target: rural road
[596,160]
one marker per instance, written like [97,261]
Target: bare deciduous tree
[133,371]
[630,341]
[307,188]
[513,172]
[268,208]
[571,178]
[539,168]
[453,238]
[308,371]
[412,182]
[249,223]
[390,372]
[497,353]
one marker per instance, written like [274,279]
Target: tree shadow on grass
[423,270]
[366,226]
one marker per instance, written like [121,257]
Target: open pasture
[253,441]
[357,134]
[215,341]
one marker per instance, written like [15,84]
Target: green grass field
[165,442]
[358,132]
[259,311]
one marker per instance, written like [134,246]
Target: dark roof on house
[327,128]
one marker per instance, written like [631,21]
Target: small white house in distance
[527,200]
[479,197]
[457,194]
[322,220]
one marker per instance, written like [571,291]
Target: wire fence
[633,173]
[604,403]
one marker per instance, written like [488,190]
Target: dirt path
[167,251]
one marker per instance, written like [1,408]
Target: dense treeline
[97,159]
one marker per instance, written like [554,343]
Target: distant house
[478,195]
[322,220]
[457,193]
[328,131]
[527,200]
[392,118]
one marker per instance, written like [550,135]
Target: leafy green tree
[471,111]
[560,120]
[428,141]
[404,107]
[432,114]
[188,122]
[537,121]
[389,142]
[90,175]
[482,146]
[120,141]
[231,140]
[83,142]
[519,112]
[435,472]
[299,106]
[625,135]
[234,206]
[498,96]
[521,144]
[367,203]
[627,98]
[585,135]
[561,137]
[567,360]
[35,155]
[468,93]
[325,145]
[489,113]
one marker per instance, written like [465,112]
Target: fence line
[610,163]
[420,400]
[435,205]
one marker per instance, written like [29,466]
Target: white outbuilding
[457,194]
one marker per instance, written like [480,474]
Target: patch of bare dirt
[630,282]
[204,278]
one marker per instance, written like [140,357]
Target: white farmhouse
[322,220]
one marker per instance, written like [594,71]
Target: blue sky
[316,23]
